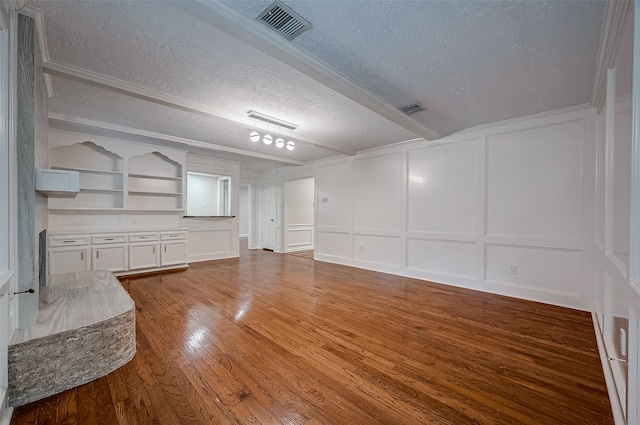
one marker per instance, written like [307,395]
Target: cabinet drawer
[72,240]
[103,239]
[170,236]
[143,237]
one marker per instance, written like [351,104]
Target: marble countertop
[74,300]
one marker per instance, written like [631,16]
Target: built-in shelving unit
[101,176]
[161,190]
[108,182]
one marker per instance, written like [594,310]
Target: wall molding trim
[634,233]
[615,17]
[81,124]
[616,406]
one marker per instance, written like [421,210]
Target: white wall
[299,214]
[202,194]
[614,298]
[243,212]
[504,208]
[214,238]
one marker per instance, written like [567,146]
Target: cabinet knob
[97,253]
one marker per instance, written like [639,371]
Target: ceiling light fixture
[271,120]
[267,139]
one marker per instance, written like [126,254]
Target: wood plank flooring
[308,253]
[280,339]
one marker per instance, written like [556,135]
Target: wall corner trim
[616,406]
[615,18]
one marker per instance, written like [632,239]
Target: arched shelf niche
[154,183]
[101,176]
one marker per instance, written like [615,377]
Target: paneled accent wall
[299,214]
[500,209]
[214,238]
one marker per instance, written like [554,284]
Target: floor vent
[283,20]
[412,109]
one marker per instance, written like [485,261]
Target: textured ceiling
[468,62]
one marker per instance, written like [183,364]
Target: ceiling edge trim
[83,122]
[86,76]
[251,32]
[615,18]
[467,132]
[41,33]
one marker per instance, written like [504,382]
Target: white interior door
[269,217]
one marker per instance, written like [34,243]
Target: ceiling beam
[248,30]
[81,123]
[92,78]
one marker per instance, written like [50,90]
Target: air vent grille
[412,109]
[283,20]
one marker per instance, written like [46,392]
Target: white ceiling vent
[412,109]
[283,20]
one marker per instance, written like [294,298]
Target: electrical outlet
[513,269]
[361,248]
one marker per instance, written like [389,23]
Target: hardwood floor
[308,253]
[279,339]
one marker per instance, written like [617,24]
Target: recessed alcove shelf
[112,183]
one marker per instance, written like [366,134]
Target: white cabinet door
[144,255]
[110,257]
[173,253]
[69,260]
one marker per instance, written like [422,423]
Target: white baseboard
[294,248]
[616,403]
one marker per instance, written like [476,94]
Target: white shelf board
[144,192]
[109,210]
[96,190]
[86,170]
[149,176]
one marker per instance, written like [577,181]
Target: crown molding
[227,19]
[615,17]
[81,124]
[41,35]
[86,76]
